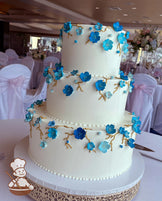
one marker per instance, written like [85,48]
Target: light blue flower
[127,35]
[90,146]
[79,31]
[108,94]
[107,44]
[45,73]
[94,37]
[121,38]
[126,134]
[100,85]
[125,48]
[130,75]
[104,146]
[79,133]
[68,90]
[136,120]
[110,129]
[98,26]
[85,77]
[67,27]
[136,128]
[29,117]
[122,130]
[122,83]
[52,133]
[131,142]
[37,121]
[59,74]
[117,27]
[74,72]
[43,144]
[122,76]
[49,79]
[51,123]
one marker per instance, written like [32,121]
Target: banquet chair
[140,101]
[28,61]
[50,61]
[12,56]
[3,59]
[157,124]
[14,80]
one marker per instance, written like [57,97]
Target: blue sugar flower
[52,133]
[125,48]
[130,75]
[32,106]
[75,41]
[43,144]
[121,146]
[39,102]
[122,130]
[131,142]
[122,83]
[37,121]
[122,76]
[94,37]
[108,94]
[90,28]
[79,133]
[74,72]
[58,68]
[28,116]
[121,38]
[85,77]
[126,134]
[51,123]
[104,146]
[127,34]
[90,146]
[136,120]
[68,90]
[136,128]
[79,31]
[98,26]
[49,79]
[67,27]
[59,74]
[117,27]
[58,65]
[110,129]
[45,73]
[107,44]
[100,85]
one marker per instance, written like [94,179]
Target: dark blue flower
[85,77]
[122,76]
[45,73]
[100,85]
[110,129]
[117,27]
[32,106]
[90,146]
[28,116]
[37,121]
[131,142]
[74,72]
[121,38]
[51,123]
[94,37]
[59,74]
[68,90]
[79,31]
[49,79]
[122,130]
[107,44]
[79,133]
[127,35]
[98,26]
[52,133]
[43,144]
[136,128]
[67,27]
[39,102]
[125,48]
[131,87]
[104,146]
[75,41]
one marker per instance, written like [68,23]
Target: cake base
[50,187]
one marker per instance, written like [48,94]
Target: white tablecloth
[12,131]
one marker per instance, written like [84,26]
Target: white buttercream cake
[82,130]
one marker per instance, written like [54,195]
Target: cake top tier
[93,48]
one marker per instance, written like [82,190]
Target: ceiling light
[97,8]
[115,8]
[134,8]
[149,20]
[160,15]
[125,14]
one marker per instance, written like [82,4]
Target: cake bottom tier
[77,152]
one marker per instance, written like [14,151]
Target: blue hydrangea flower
[100,85]
[104,146]
[49,79]
[79,133]
[85,77]
[28,116]
[108,94]
[90,146]
[39,102]
[52,133]
[127,35]
[43,144]
[122,76]
[121,38]
[94,37]
[107,44]
[45,73]
[117,27]
[110,129]
[74,72]
[98,26]
[122,83]
[125,48]
[136,128]
[131,142]
[68,90]
[67,27]
[79,31]
[51,123]
[37,121]
[59,74]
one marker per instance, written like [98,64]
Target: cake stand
[50,187]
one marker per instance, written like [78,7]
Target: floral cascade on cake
[82,130]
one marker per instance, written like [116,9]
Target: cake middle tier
[99,101]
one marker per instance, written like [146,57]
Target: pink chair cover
[140,100]
[14,80]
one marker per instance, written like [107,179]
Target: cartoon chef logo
[19,185]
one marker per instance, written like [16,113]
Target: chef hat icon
[17,163]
